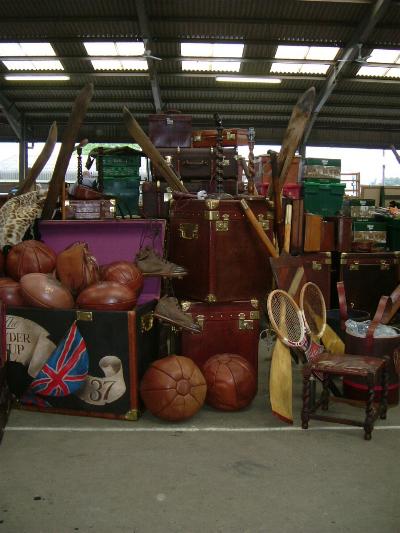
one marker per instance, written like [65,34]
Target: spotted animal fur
[17,214]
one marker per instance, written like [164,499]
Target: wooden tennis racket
[313,308]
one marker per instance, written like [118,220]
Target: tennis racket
[313,309]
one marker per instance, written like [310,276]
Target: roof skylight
[26,50]
[379,55]
[129,48]
[212,50]
[322,53]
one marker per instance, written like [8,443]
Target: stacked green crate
[316,169]
[359,208]
[121,179]
[322,198]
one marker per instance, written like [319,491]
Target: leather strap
[383,302]
[342,304]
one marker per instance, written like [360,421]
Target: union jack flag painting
[66,369]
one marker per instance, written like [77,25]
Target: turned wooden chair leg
[325,393]
[369,411]
[385,386]
[305,413]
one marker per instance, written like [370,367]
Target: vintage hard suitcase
[156,198]
[230,137]
[262,167]
[220,249]
[4,391]
[108,241]
[170,130]
[198,163]
[297,229]
[226,328]
[120,346]
[367,277]
[89,209]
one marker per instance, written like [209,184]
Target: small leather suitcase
[198,163]
[120,345]
[367,277]
[221,251]
[230,137]
[297,230]
[226,328]
[90,209]
[170,130]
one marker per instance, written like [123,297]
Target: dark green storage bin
[126,191]
[393,234]
[324,199]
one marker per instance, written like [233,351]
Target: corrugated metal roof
[355,104]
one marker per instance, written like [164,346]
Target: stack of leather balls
[36,276]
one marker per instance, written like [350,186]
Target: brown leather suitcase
[367,277]
[90,209]
[312,233]
[197,163]
[328,243]
[230,137]
[220,249]
[262,166]
[343,233]
[170,130]
[297,230]
[156,198]
[226,328]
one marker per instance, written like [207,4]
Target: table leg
[369,411]
[305,413]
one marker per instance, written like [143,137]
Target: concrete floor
[242,472]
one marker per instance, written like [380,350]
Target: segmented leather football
[41,290]
[30,256]
[10,292]
[125,273]
[107,295]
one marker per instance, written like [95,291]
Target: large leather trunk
[4,391]
[111,387]
[230,137]
[108,241]
[170,130]
[226,328]
[368,276]
[198,163]
[220,249]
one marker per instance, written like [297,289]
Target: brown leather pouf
[231,382]
[30,256]
[125,273]
[41,290]
[10,292]
[173,388]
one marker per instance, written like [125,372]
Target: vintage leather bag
[76,268]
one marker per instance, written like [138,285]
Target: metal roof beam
[12,115]
[145,31]
[361,34]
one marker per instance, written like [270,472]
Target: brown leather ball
[231,382]
[28,257]
[41,290]
[173,388]
[10,292]
[107,296]
[125,273]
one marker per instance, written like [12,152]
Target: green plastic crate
[126,192]
[324,199]
[393,234]
[321,168]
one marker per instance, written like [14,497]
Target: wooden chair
[372,370]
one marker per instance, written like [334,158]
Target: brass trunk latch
[243,323]
[146,322]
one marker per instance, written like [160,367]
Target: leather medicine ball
[173,388]
[107,295]
[231,382]
[40,290]
[28,257]
[125,273]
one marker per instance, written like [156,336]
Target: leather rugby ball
[28,257]
[125,273]
[107,296]
[10,292]
[40,290]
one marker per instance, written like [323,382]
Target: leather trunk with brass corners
[5,396]
[219,248]
[200,163]
[170,130]
[230,137]
[368,276]
[226,328]
[90,209]
[121,346]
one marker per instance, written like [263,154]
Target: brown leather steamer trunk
[226,328]
[197,163]
[221,251]
[111,388]
[230,137]
[169,130]
[368,276]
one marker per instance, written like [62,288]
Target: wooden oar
[75,120]
[152,153]
[40,162]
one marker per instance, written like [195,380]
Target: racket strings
[285,317]
[314,309]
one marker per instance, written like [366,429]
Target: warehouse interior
[268,464]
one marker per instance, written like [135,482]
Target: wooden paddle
[75,120]
[40,162]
